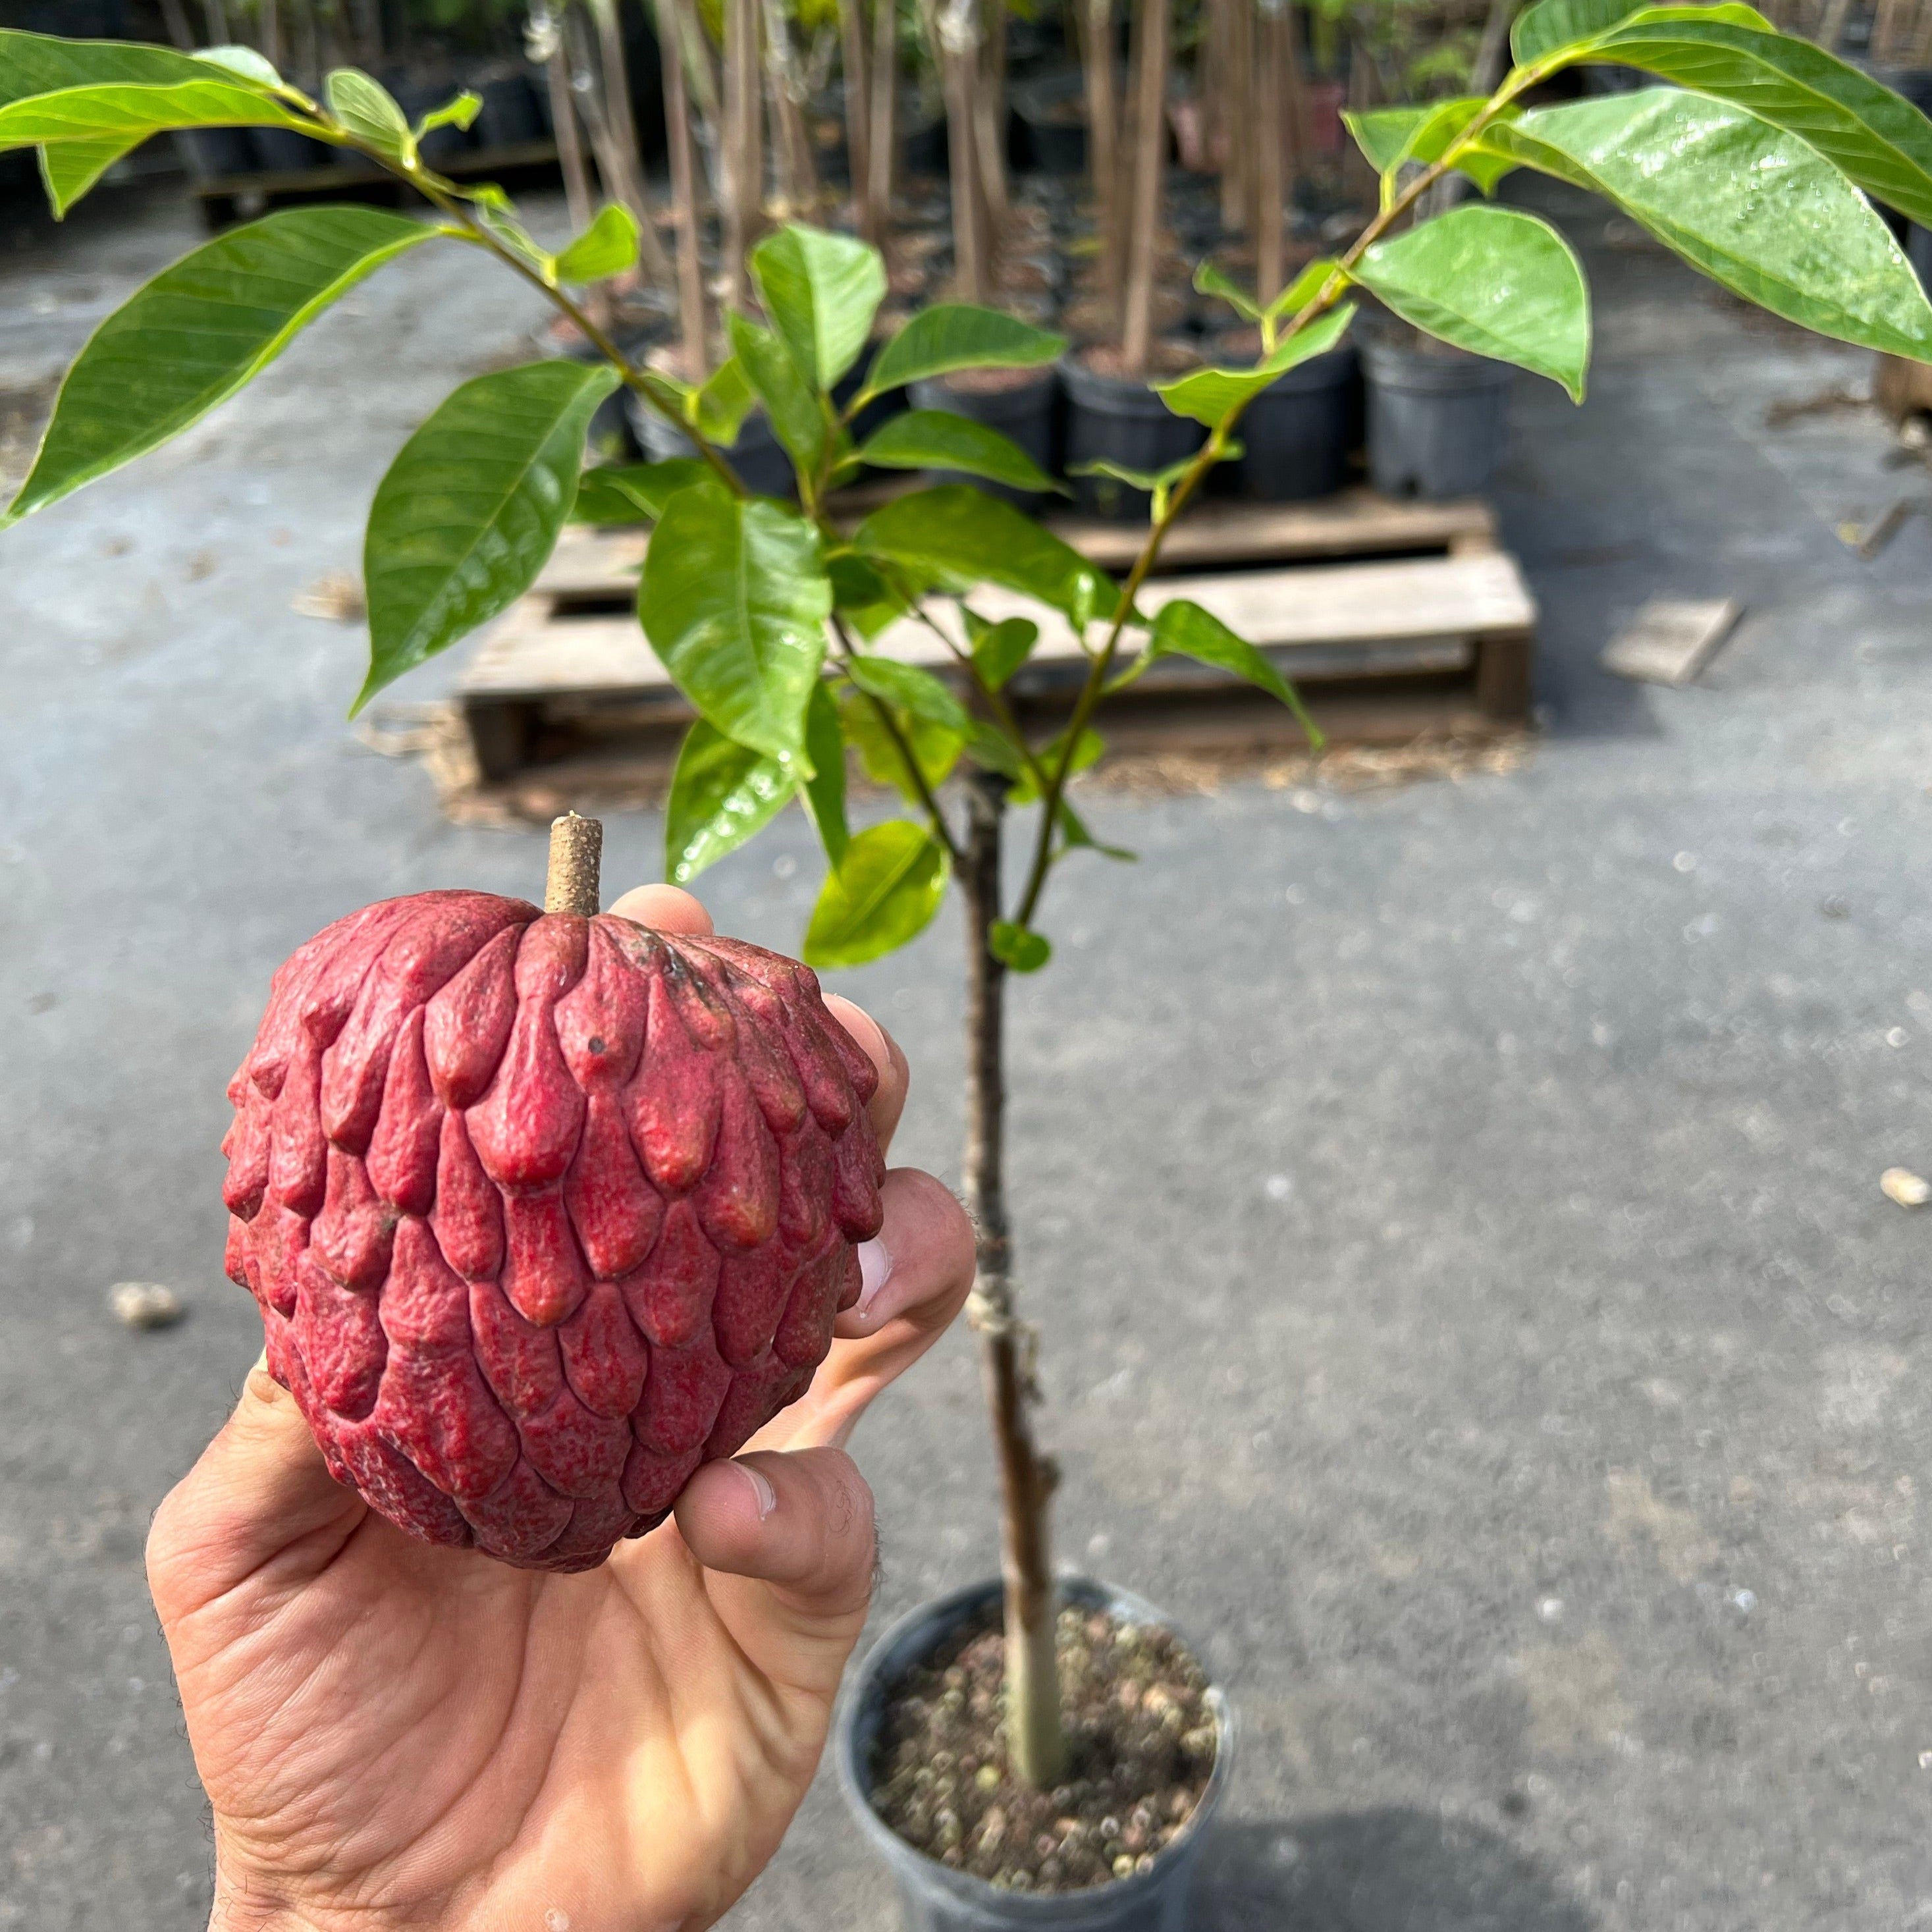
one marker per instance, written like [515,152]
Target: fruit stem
[576,852]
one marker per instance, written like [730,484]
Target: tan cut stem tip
[576,852]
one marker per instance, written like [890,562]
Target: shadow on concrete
[1388,1869]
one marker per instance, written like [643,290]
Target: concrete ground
[1451,1213]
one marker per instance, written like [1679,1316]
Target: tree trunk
[989,126]
[958,62]
[884,135]
[744,145]
[858,119]
[1238,122]
[1035,1742]
[613,134]
[1150,147]
[1271,186]
[693,323]
[1103,158]
[569,141]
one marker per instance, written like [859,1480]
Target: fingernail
[875,1270]
[762,1492]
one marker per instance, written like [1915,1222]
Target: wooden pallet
[227,199]
[1427,628]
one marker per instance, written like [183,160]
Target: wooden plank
[589,562]
[534,652]
[1670,639]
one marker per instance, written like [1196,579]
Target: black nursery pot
[758,456]
[1055,133]
[279,150]
[937,1899]
[213,152]
[1023,413]
[1437,420]
[1123,422]
[1295,435]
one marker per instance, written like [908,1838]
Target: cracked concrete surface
[1451,1213]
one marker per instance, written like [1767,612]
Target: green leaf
[821,292]
[1551,25]
[1210,280]
[1087,751]
[34,63]
[98,113]
[722,794]
[633,493]
[1183,629]
[999,650]
[968,534]
[460,112]
[1305,287]
[1883,143]
[957,335]
[934,750]
[1073,830]
[68,169]
[911,689]
[1751,206]
[470,508]
[245,61]
[1023,950]
[1211,396]
[200,331]
[367,109]
[1384,133]
[884,891]
[796,413]
[719,409]
[608,247]
[824,791]
[734,601]
[1493,280]
[1389,136]
[937,439]
[861,597]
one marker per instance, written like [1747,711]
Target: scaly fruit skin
[542,1211]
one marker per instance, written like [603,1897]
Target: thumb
[260,1494]
[788,1540]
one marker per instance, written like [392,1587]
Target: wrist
[245,1905]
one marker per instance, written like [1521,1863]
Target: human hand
[396,1735]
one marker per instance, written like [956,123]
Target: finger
[888,1101]
[664,909]
[789,1539]
[916,1275]
[260,1493]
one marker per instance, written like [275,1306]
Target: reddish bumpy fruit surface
[543,1211]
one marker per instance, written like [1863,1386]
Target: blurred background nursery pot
[902,635]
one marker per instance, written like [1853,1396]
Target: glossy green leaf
[957,335]
[1183,629]
[470,508]
[878,733]
[1881,142]
[1551,25]
[1493,280]
[1016,946]
[821,292]
[1752,207]
[68,169]
[1087,751]
[1212,396]
[608,247]
[105,112]
[974,537]
[824,791]
[245,61]
[200,331]
[633,493]
[718,409]
[34,63]
[734,601]
[368,110]
[999,650]
[1388,135]
[460,112]
[796,413]
[862,599]
[1210,281]
[1305,287]
[722,794]
[910,688]
[937,439]
[883,893]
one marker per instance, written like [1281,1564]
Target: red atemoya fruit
[542,1212]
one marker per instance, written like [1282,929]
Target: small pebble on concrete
[145,1304]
